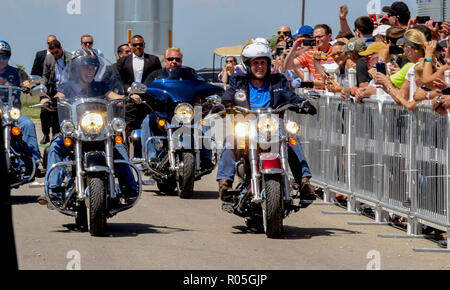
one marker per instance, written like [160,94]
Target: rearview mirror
[137,88]
[35,80]
[39,91]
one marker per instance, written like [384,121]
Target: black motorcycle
[178,99]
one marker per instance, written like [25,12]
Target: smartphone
[446,91]
[393,49]
[279,50]
[422,19]
[309,42]
[439,24]
[289,43]
[309,85]
[381,67]
[373,17]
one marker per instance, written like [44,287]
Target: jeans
[58,153]
[29,137]
[148,129]
[296,158]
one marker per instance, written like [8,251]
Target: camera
[309,42]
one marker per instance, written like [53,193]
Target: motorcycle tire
[273,207]
[185,186]
[97,203]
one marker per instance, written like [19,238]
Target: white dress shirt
[138,67]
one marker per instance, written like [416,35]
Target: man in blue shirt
[10,76]
[264,90]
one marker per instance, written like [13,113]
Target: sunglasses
[177,59]
[230,61]
[4,57]
[138,44]
[88,42]
[127,51]
[286,33]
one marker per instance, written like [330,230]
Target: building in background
[150,18]
[439,10]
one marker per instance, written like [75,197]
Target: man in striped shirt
[322,35]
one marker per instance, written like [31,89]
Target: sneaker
[45,139]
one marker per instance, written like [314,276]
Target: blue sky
[199,26]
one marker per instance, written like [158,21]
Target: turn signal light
[293,141]
[15,131]
[68,142]
[118,139]
[161,123]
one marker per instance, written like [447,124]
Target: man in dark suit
[54,66]
[38,70]
[135,68]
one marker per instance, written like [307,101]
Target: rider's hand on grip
[307,108]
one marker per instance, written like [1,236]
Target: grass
[32,113]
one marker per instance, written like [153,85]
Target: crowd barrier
[381,155]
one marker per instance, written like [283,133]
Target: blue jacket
[280,93]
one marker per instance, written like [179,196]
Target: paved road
[165,232]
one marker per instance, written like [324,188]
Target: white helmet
[260,39]
[255,50]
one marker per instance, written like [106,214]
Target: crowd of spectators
[392,55]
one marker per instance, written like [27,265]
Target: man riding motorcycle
[261,89]
[10,76]
[81,81]
[173,58]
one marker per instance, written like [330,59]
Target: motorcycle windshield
[180,84]
[9,97]
[88,86]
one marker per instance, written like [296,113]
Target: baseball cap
[374,47]
[305,29]
[381,30]
[354,45]
[399,9]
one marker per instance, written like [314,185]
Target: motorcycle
[264,194]
[21,168]
[179,99]
[91,126]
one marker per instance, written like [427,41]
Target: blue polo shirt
[259,97]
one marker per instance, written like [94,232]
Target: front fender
[95,161]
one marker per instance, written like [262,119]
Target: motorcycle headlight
[92,124]
[292,127]
[67,127]
[15,114]
[241,129]
[118,125]
[184,113]
[268,125]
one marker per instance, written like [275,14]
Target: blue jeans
[148,129]
[58,153]
[296,158]
[29,137]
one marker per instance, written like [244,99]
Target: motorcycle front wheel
[272,207]
[185,182]
[97,203]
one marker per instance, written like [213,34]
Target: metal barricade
[384,155]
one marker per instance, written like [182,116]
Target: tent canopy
[229,50]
